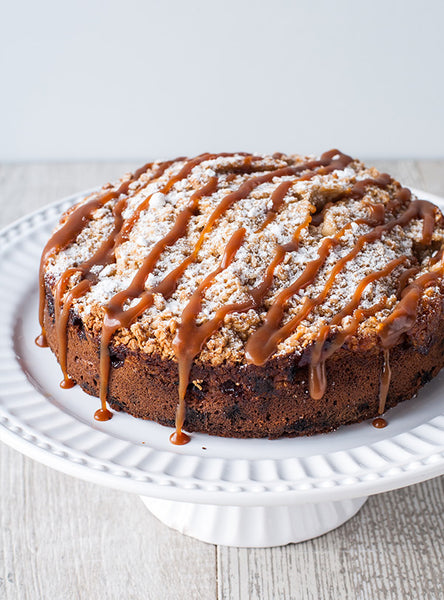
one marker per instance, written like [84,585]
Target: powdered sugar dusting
[325,193]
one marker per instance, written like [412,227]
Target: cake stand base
[253,526]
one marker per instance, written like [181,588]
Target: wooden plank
[64,538]
[391,549]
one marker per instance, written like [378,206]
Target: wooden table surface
[62,538]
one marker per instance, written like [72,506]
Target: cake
[247,295]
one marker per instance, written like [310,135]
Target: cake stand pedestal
[234,492]
[253,526]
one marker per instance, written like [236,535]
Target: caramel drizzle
[116,317]
[385,381]
[263,343]
[258,293]
[403,317]
[80,217]
[75,222]
[102,257]
[191,337]
[406,309]
[319,354]
[105,255]
[277,199]
[358,190]
[182,174]
[399,322]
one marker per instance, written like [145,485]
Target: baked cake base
[251,401]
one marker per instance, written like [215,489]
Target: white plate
[57,427]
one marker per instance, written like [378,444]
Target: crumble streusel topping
[328,195]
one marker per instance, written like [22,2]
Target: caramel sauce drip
[75,222]
[319,355]
[103,414]
[102,257]
[379,423]
[116,317]
[41,340]
[263,343]
[190,336]
[385,381]
[403,317]
[277,199]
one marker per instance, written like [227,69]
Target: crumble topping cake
[273,295]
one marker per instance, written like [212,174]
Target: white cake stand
[253,493]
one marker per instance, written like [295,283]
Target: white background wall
[141,78]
